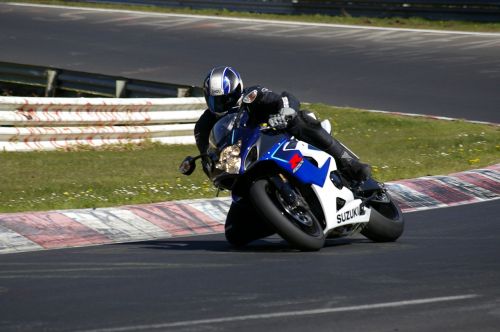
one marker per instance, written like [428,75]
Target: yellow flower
[474,161]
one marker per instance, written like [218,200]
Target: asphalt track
[442,275]
[448,74]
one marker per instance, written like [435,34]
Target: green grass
[87,179]
[395,22]
[401,147]
[397,147]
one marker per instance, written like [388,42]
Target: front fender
[260,170]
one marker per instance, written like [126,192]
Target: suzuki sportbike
[295,187]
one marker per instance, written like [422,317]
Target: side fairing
[313,166]
[289,155]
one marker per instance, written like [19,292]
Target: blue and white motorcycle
[295,187]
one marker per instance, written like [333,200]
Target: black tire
[263,196]
[386,222]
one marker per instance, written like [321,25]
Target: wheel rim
[299,216]
[298,213]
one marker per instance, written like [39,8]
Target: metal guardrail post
[182,92]
[50,88]
[120,88]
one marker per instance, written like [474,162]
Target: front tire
[386,222]
[299,227]
[243,225]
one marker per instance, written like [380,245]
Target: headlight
[229,159]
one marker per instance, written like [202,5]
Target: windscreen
[221,134]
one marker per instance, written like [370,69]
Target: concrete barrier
[28,124]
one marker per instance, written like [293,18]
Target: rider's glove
[280,120]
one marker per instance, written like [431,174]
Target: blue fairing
[265,145]
[292,161]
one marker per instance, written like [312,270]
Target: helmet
[223,88]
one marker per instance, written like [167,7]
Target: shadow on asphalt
[271,244]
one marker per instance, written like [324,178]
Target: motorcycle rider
[224,93]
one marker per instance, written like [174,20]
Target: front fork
[287,192]
[292,201]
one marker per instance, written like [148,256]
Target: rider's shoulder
[254,93]
[258,88]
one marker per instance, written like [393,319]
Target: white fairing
[327,193]
[325,124]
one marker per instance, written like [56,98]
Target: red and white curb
[433,192]
[20,232]
[74,228]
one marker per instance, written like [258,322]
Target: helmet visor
[222,104]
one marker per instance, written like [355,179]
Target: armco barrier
[28,124]
[28,80]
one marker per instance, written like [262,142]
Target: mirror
[187,166]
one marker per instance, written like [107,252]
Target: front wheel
[293,222]
[386,222]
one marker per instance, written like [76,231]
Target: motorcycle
[296,188]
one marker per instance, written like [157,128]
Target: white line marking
[287,314]
[341,26]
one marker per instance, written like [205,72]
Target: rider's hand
[280,120]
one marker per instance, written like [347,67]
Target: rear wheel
[293,221]
[386,221]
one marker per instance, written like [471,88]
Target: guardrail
[31,123]
[28,80]
[481,10]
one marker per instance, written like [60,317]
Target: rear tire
[265,198]
[386,222]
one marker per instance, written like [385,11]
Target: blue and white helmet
[223,89]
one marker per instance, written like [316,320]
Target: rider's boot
[355,170]
[348,164]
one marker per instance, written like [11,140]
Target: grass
[396,147]
[400,147]
[88,179]
[393,22]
